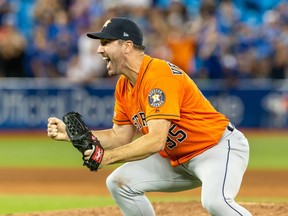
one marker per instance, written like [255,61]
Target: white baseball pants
[218,170]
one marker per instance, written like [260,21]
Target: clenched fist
[56,129]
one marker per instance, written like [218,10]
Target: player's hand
[87,155]
[56,129]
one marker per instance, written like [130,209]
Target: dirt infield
[266,184]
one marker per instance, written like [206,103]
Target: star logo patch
[156,98]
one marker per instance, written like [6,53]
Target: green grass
[30,203]
[268,151]
[37,151]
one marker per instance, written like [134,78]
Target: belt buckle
[230,127]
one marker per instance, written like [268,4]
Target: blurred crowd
[209,39]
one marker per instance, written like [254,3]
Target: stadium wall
[27,103]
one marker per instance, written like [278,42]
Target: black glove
[83,139]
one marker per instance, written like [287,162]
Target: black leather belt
[230,127]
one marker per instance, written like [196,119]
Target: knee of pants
[215,205]
[112,184]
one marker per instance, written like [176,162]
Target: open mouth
[107,59]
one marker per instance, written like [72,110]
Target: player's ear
[127,46]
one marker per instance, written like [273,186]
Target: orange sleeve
[164,99]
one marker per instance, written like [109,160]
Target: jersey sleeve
[163,99]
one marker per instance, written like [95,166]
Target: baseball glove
[83,139]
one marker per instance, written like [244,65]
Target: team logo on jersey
[156,97]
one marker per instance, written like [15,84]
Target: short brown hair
[136,46]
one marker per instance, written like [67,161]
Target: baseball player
[185,144]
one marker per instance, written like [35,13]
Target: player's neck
[133,67]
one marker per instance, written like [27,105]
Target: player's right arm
[110,138]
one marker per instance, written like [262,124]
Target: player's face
[112,54]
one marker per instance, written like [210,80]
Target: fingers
[52,130]
[53,120]
[87,154]
[52,127]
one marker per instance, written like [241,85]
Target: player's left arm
[116,136]
[142,147]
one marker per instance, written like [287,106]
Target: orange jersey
[164,91]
